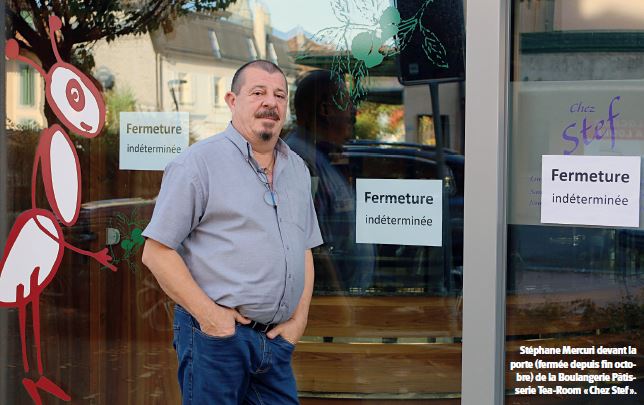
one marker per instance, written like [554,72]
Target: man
[325,122]
[229,242]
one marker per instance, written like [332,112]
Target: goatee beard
[265,136]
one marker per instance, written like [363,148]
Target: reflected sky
[311,15]
[572,14]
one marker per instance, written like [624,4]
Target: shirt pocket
[298,205]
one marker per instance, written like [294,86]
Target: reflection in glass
[575,77]
[393,299]
[385,321]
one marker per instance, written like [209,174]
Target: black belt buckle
[260,327]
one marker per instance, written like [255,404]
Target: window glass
[251,49]
[216,91]
[577,82]
[272,55]
[214,43]
[184,88]
[385,320]
[26,85]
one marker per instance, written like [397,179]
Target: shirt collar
[242,144]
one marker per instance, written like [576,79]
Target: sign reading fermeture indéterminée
[399,212]
[150,140]
[590,190]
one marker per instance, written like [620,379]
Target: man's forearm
[175,279]
[301,314]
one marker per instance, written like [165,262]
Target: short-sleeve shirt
[243,252]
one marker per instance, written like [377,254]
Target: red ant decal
[35,245]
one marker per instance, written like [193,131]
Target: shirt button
[290,276]
[288,248]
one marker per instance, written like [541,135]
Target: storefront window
[575,276]
[385,320]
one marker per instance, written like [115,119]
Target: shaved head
[267,66]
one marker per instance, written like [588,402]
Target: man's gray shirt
[242,252]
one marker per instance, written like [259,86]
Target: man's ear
[230,99]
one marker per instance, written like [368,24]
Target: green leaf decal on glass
[369,32]
[127,244]
[136,236]
[433,48]
[132,243]
[341,10]
[362,45]
[389,22]
[366,47]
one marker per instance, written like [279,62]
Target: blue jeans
[245,368]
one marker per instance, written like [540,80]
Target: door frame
[485,223]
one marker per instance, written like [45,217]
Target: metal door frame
[486,106]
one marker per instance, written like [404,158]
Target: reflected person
[324,125]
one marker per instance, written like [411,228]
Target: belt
[260,327]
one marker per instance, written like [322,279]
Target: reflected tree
[87,21]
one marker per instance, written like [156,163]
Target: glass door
[385,324]
[575,281]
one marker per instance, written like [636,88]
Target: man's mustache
[272,114]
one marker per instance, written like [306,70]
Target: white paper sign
[399,212]
[150,140]
[591,190]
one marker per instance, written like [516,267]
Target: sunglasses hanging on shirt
[270,196]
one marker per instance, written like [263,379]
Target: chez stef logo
[36,244]
[586,128]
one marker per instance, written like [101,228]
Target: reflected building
[189,66]
[25,95]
